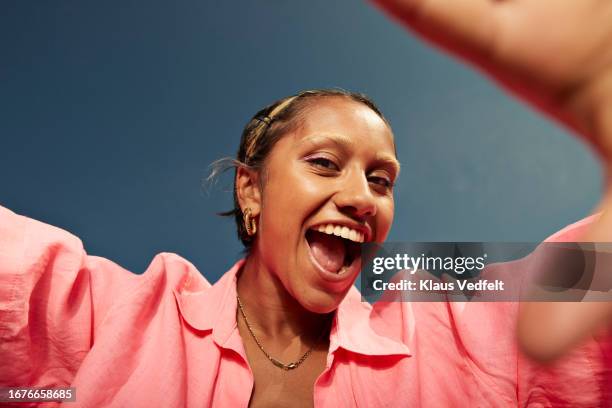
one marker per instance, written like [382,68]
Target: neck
[271,309]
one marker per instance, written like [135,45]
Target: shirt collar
[353,330]
[205,307]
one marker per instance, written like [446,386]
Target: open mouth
[335,249]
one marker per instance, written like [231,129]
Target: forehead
[343,118]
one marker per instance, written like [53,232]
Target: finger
[460,26]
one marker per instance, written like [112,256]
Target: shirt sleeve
[52,296]
[580,378]
[473,346]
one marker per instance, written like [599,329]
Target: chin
[321,302]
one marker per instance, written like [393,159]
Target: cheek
[285,206]
[291,194]
[385,219]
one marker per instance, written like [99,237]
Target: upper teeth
[341,231]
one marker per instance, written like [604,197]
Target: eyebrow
[343,141]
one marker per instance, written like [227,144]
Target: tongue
[328,250]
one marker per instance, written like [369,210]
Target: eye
[381,181]
[323,163]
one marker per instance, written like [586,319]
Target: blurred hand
[557,56]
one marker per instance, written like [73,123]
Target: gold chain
[274,361]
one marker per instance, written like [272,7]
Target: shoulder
[166,272]
[176,271]
[141,298]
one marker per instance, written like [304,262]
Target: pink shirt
[168,338]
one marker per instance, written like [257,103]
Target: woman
[284,326]
[314,179]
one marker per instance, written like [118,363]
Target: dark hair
[262,132]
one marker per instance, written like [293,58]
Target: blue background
[112,111]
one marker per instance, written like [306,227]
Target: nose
[355,197]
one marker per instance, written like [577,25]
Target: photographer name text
[430,285]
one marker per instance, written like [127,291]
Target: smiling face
[327,186]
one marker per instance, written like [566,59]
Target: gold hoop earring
[249,222]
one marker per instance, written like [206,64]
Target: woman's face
[327,188]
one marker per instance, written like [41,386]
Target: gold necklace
[274,361]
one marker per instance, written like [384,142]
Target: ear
[247,190]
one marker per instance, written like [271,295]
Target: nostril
[359,216]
